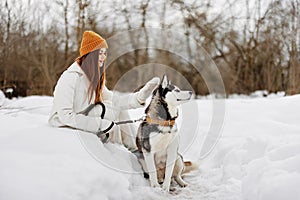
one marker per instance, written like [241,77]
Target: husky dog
[158,140]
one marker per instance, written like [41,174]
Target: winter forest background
[254,43]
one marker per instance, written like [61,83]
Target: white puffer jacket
[71,98]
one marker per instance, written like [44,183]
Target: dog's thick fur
[158,142]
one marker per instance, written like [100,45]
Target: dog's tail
[190,166]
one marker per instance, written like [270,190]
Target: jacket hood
[75,68]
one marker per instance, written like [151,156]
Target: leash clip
[143,118]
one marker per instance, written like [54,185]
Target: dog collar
[160,122]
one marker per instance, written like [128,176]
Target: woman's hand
[147,90]
[112,129]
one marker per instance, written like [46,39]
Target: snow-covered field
[256,158]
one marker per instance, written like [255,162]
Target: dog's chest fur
[154,138]
[159,141]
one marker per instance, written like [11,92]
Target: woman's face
[102,56]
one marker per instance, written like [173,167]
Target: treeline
[255,44]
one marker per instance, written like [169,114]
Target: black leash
[130,121]
[90,107]
[86,112]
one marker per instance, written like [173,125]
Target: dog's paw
[184,184]
[166,187]
[154,185]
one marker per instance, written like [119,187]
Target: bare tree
[65,6]
[294,48]
[261,54]
[81,18]
[6,48]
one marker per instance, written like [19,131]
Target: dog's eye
[177,90]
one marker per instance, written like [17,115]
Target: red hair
[89,64]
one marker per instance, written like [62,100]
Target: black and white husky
[157,139]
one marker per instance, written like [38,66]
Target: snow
[2,98]
[256,158]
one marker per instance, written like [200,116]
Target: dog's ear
[139,88]
[164,82]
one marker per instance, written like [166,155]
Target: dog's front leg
[150,164]
[171,159]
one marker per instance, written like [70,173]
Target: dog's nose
[190,92]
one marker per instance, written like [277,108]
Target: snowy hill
[256,158]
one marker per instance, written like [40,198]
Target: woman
[83,84]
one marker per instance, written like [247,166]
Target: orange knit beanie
[91,41]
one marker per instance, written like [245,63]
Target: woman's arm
[121,101]
[64,104]
[133,100]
